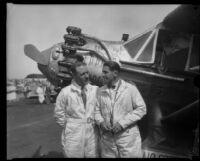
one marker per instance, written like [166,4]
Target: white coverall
[40,92]
[79,135]
[127,107]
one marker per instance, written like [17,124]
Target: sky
[45,25]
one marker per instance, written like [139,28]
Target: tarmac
[32,131]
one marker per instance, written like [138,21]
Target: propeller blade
[47,53]
[32,52]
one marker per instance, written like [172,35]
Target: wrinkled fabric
[126,108]
[79,135]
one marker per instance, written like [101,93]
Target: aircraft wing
[185,18]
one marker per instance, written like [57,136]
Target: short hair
[112,65]
[77,64]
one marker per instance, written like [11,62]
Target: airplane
[163,62]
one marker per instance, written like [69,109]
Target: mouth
[105,79]
[86,80]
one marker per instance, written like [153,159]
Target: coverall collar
[116,85]
[122,86]
[77,87]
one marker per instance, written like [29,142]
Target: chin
[85,83]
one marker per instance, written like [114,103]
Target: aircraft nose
[53,66]
[55,55]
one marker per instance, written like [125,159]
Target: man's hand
[117,128]
[105,127]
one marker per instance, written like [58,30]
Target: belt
[84,120]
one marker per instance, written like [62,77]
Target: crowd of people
[30,88]
[11,92]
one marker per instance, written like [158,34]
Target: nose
[87,75]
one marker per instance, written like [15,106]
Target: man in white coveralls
[74,111]
[120,106]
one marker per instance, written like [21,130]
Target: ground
[32,130]
[33,133]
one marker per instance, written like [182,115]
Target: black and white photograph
[102,80]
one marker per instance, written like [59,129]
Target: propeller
[32,52]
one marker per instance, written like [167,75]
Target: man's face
[82,75]
[108,75]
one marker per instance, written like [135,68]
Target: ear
[115,72]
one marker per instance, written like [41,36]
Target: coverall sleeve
[59,111]
[139,109]
[97,113]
